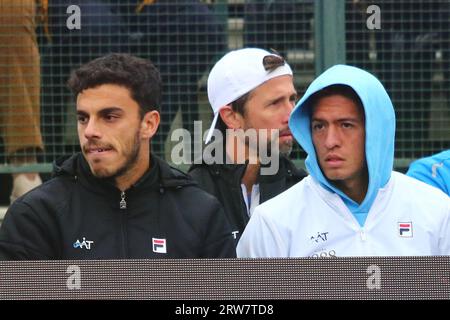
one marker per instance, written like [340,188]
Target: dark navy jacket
[75,215]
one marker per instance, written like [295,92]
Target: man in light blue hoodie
[434,170]
[352,204]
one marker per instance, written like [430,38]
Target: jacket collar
[160,175]
[234,172]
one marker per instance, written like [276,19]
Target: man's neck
[250,176]
[239,153]
[252,170]
[355,189]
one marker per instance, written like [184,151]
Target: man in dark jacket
[249,89]
[115,199]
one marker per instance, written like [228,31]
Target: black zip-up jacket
[75,215]
[224,182]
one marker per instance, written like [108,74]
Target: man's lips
[334,160]
[97,149]
[286,133]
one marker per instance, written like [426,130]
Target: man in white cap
[249,89]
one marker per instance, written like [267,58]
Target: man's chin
[101,172]
[286,148]
[334,175]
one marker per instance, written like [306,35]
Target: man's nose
[92,129]
[332,138]
[288,106]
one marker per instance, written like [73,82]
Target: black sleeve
[218,237]
[203,177]
[24,235]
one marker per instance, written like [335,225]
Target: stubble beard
[131,160]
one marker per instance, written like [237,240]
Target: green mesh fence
[409,53]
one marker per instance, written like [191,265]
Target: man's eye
[111,117]
[82,119]
[317,126]
[274,103]
[347,125]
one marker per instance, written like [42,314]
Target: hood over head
[379,125]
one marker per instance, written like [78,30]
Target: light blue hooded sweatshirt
[434,170]
[379,125]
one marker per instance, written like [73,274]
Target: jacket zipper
[363,235]
[123,207]
[123,202]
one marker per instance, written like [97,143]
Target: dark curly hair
[138,75]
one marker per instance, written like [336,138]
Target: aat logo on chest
[86,244]
[159,245]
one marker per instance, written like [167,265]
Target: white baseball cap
[237,73]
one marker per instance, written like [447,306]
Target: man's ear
[231,118]
[149,124]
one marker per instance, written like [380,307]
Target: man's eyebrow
[110,110]
[281,96]
[102,111]
[355,119]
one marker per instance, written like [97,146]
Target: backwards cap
[237,73]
